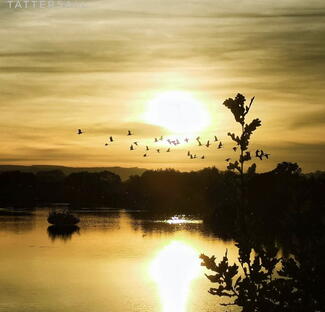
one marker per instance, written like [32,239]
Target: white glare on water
[173,269]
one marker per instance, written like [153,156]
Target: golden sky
[100,67]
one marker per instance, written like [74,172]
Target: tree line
[209,193]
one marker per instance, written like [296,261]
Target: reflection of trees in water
[159,227]
[62,232]
[154,223]
[265,280]
[17,224]
[101,219]
[150,222]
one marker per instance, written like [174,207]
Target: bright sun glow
[173,270]
[177,111]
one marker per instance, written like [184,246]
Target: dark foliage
[88,189]
[278,208]
[21,189]
[264,281]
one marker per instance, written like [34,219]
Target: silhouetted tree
[17,189]
[50,186]
[95,188]
[263,281]
[240,110]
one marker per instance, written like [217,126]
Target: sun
[177,111]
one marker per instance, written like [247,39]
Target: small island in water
[62,218]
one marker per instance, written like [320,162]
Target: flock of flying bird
[259,153]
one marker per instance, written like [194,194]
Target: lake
[115,262]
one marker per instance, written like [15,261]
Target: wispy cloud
[310,119]
[97,66]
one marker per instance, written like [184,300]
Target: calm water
[114,263]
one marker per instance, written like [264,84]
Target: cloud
[139,130]
[310,119]
[95,68]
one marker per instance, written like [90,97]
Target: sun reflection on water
[181,220]
[173,269]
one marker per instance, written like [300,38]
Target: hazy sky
[98,67]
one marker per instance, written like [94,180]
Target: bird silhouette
[168,150]
[202,157]
[111,138]
[234,148]
[220,145]
[169,141]
[135,143]
[158,150]
[186,140]
[198,138]
[131,148]
[147,148]
[188,153]
[259,154]
[80,131]
[156,140]
[161,138]
[208,143]
[263,154]
[194,156]
[145,155]
[177,142]
[200,144]
[227,159]
[129,132]
[191,156]
[215,139]
[106,144]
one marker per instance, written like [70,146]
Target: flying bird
[208,143]
[135,143]
[200,144]
[129,132]
[106,144]
[131,148]
[262,154]
[111,138]
[156,140]
[158,150]
[235,148]
[169,141]
[227,159]
[145,155]
[202,157]
[188,153]
[259,154]
[186,140]
[215,138]
[168,150]
[147,148]
[80,131]
[220,145]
